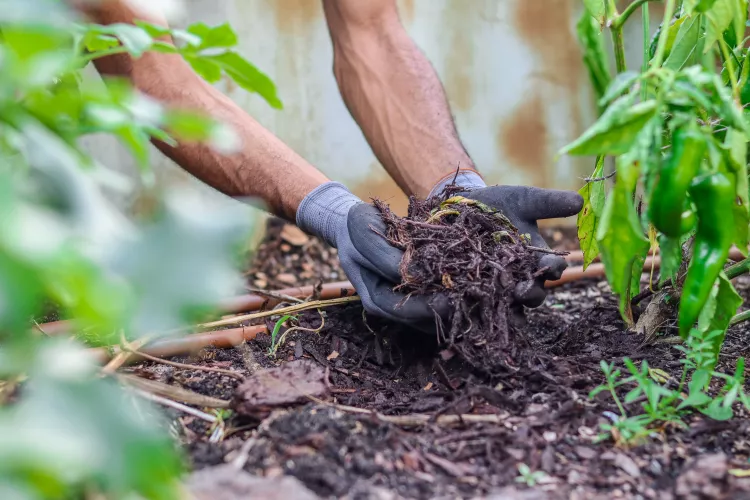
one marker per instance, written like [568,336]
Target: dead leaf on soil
[332,356]
[285,385]
[224,482]
[294,235]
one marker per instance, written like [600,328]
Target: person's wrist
[466,177]
[325,209]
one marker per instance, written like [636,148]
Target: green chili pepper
[713,195]
[668,209]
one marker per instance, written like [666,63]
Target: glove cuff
[325,209]
[466,178]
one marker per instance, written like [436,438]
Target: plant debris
[475,256]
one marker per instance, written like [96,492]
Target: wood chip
[427,387]
[628,465]
[287,278]
[294,235]
[332,356]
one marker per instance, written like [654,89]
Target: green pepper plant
[66,431]
[677,130]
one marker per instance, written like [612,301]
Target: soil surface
[401,420]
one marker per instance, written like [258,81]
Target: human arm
[267,169]
[394,94]
[396,98]
[264,167]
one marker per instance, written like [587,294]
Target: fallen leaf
[294,235]
[332,356]
[428,386]
[658,375]
[285,385]
[740,472]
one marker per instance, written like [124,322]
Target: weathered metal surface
[512,71]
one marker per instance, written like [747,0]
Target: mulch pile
[464,250]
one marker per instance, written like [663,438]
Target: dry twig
[304,306]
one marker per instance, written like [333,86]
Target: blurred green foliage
[67,432]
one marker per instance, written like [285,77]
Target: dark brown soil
[543,416]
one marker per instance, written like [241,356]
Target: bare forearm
[396,98]
[264,167]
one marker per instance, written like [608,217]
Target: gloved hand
[333,213]
[523,206]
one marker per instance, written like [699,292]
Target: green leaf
[247,76]
[621,237]
[721,305]
[684,52]
[719,18]
[588,218]
[735,143]
[160,264]
[72,428]
[222,36]
[594,55]
[716,410]
[616,130]
[156,31]
[670,251]
[620,84]
[674,28]
[691,6]
[597,10]
[95,42]
[209,70]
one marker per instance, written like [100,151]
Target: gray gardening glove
[523,206]
[334,214]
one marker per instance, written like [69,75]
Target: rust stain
[379,184]
[406,9]
[552,40]
[457,77]
[291,15]
[523,138]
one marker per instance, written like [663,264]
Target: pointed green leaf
[721,305]
[597,10]
[735,143]
[620,84]
[247,76]
[684,50]
[719,18]
[222,36]
[616,130]
[588,218]
[621,238]
[670,252]
[594,55]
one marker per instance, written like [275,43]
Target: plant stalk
[629,10]
[619,45]
[661,46]
[738,268]
[739,318]
[730,68]
[645,21]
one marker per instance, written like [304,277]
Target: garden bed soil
[368,437]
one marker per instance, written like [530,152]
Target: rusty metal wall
[512,70]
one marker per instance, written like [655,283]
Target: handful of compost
[471,253]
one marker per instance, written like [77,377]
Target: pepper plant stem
[619,45]
[738,268]
[739,318]
[629,10]
[661,46]
[730,68]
